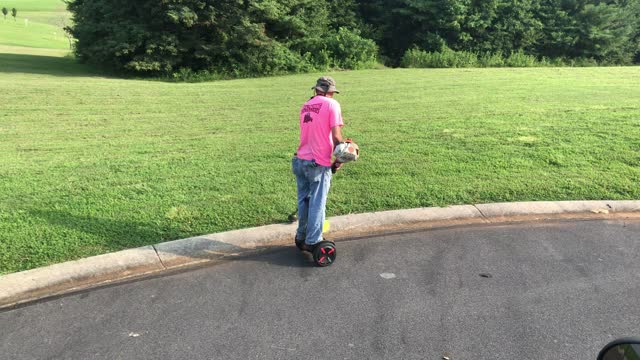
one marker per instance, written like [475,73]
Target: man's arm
[336,132]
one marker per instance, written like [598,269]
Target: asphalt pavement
[552,290]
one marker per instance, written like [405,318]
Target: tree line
[264,37]
[605,31]
[5,11]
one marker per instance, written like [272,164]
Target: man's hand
[335,166]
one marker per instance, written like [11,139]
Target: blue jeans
[313,182]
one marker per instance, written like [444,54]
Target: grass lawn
[37,35]
[44,29]
[33,5]
[90,164]
[7,52]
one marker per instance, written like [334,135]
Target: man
[320,131]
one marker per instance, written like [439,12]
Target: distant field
[34,5]
[39,24]
[91,164]
[54,18]
[36,35]
[19,51]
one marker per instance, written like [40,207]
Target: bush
[344,49]
[520,59]
[588,62]
[189,38]
[274,59]
[350,51]
[188,75]
[557,62]
[445,58]
[491,60]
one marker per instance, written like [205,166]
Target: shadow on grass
[113,234]
[119,234]
[45,65]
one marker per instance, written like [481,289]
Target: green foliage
[351,51]
[5,11]
[491,59]
[398,25]
[344,13]
[511,26]
[634,45]
[240,38]
[445,58]
[588,29]
[236,38]
[606,31]
[342,49]
[188,75]
[520,59]
[14,12]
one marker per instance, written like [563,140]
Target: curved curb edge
[70,276]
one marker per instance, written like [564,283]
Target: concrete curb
[72,275]
[97,270]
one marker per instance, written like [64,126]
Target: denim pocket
[319,173]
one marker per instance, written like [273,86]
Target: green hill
[39,24]
[34,5]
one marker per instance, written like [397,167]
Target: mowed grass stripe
[34,5]
[92,164]
[38,24]
[36,35]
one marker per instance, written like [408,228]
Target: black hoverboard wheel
[324,253]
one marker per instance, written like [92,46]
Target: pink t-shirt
[318,116]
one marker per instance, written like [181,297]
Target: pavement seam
[159,258]
[482,214]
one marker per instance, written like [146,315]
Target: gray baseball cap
[326,84]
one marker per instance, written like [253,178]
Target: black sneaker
[307,247]
[299,243]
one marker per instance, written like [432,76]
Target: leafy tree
[468,25]
[606,31]
[345,14]
[237,37]
[586,29]
[506,26]
[14,12]
[257,37]
[633,8]
[5,11]
[438,22]
[398,25]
